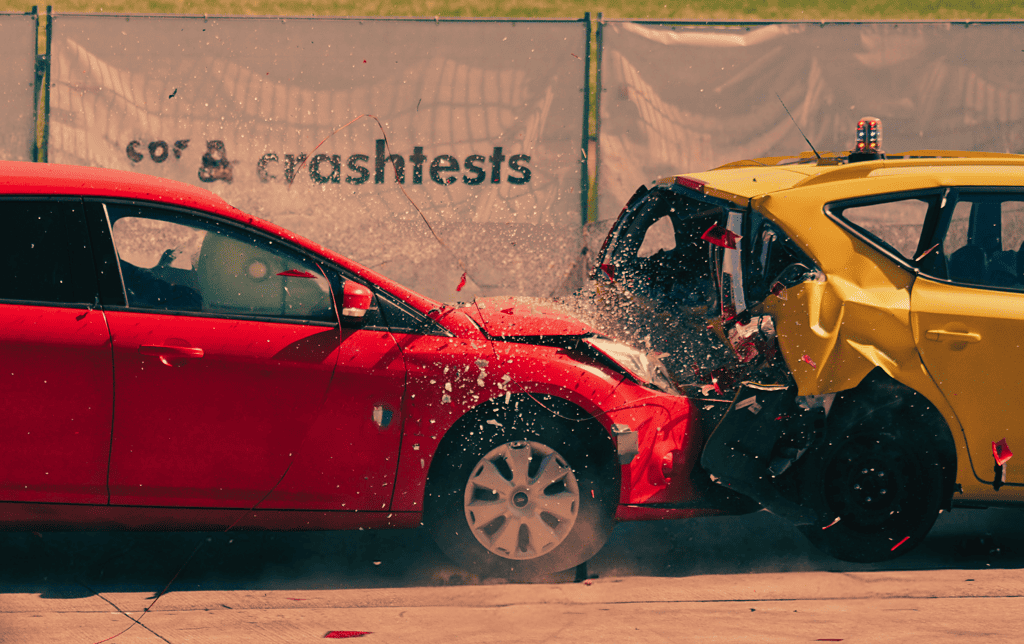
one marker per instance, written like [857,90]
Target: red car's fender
[441,391]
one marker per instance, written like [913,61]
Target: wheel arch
[880,396]
[526,406]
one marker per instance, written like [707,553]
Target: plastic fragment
[342,635]
[902,541]
[778,289]
[1001,452]
[297,599]
[294,272]
[609,271]
[462,282]
[588,582]
[721,236]
[806,358]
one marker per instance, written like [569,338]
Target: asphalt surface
[727,579]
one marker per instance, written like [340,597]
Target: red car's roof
[25,178]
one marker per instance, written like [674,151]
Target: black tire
[590,481]
[883,485]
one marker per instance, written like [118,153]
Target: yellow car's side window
[983,241]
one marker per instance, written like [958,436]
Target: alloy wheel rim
[521,500]
[870,483]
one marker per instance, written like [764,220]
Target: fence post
[36,86]
[41,90]
[585,141]
[597,117]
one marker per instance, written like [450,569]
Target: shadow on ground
[82,564]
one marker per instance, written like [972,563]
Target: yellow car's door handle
[952,336]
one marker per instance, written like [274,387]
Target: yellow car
[852,326]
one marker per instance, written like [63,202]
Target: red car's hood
[507,317]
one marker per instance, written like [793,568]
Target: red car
[168,362]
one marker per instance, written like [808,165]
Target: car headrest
[969,265]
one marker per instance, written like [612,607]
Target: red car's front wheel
[521,498]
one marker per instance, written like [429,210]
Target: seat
[1002,268]
[237,277]
[969,265]
[1020,264]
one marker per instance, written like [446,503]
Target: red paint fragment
[608,270]
[829,639]
[509,311]
[343,635]
[588,582]
[364,60]
[902,541]
[714,383]
[297,599]
[462,282]
[1001,452]
[806,358]
[720,236]
[832,524]
[293,272]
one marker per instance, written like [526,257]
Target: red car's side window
[171,262]
[34,257]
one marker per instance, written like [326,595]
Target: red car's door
[56,390]
[222,359]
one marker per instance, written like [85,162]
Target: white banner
[483,123]
[685,98]
[17,81]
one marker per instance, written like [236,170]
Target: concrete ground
[729,579]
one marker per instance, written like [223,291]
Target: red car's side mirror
[355,300]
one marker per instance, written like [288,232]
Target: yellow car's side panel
[833,333]
[970,340]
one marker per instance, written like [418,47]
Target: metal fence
[485,125]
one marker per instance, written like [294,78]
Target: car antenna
[798,127]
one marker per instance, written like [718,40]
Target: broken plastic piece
[721,236]
[751,404]
[925,253]
[902,541]
[341,635]
[778,289]
[1001,452]
[462,282]
[294,272]
[806,358]
[609,271]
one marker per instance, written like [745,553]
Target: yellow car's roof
[743,180]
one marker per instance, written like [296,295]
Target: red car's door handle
[171,356]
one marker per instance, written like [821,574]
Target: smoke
[80,564]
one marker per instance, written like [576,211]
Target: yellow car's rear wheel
[884,486]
